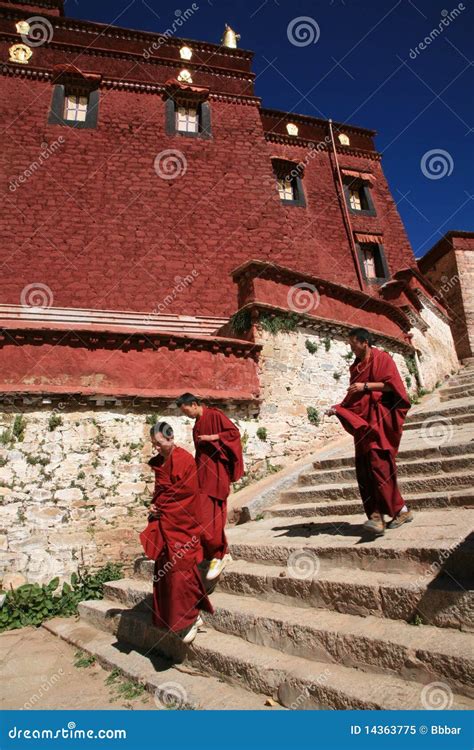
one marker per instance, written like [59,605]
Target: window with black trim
[289,182]
[189,118]
[74,107]
[373,262]
[358,197]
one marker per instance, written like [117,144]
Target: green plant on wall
[327,343]
[54,421]
[152,419]
[313,415]
[19,427]
[337,375]
[241,321]
[244,440]
[311,346]
[32,604]
[279,323]
[6,437]
[349,356]
[262,433]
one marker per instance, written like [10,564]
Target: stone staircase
[311,613]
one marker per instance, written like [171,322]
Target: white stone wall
[437,353]
[78,492]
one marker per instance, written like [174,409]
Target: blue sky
[357,61]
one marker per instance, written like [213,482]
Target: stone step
[465,377]
[350,490]
[294,681]
[455,407]
[439,465]
[456,391]
[423,452]
[439,424]
[172,688]
[446,499]
[422,653]
[434,537]
[437,599]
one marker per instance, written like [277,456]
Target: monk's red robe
[219,463]
[178,591]
[375,420]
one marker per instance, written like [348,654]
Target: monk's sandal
[375,525]
[401,518]
[188,635]
[215,568]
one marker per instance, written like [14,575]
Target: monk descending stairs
[311,614]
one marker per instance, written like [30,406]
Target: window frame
[382,261]
[366,196]
[58,106]
[203,113]
[297,185]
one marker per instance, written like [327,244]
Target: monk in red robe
[178,591]
[373,411]
[219,462]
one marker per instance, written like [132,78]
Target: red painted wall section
[282,288]
[96,221]
[62,363]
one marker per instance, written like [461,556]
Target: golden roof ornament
[229,37]
[20,53]
[23,27]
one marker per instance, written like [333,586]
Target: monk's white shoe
[190,634]
[199,622]
[215,568]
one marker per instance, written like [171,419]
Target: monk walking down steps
[373,411]
[173,538]
[219,462]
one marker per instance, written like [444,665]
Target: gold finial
[229,37]
[23,27]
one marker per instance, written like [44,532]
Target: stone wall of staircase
[74,487]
